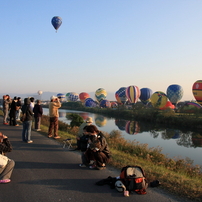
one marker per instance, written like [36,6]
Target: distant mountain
[47,95]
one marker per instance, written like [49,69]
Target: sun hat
[89,120]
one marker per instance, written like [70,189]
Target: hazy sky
[101,44]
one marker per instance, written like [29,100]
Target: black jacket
[27,109]
[38,110]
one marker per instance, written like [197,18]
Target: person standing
[54,105]
[13,112]
[32,103]
[6,106]
[18,107]
[5,171]
[27,123]
[38,111]
[87,122]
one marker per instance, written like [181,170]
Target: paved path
[45,172]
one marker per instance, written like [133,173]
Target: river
[173,142]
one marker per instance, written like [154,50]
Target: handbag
[3,160]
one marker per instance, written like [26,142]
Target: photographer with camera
[54,105]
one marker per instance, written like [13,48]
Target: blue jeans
[26,131]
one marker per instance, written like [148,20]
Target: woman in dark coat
[5,171]
[13,112]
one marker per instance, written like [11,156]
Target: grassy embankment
[178,176]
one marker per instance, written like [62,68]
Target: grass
[178,176]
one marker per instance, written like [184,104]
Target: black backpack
[133,177]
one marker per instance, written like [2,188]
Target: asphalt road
[45,172]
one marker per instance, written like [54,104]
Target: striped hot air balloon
[133,93]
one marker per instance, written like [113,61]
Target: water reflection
[132,127]
[173,142]
[100,120]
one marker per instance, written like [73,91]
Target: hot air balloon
[121,95]
[105,104]
[61,96]
[89,102]
[67,96]
[133,93]
[114,105]
[100,94]
[197,91]
[40,92]
[83,96]
[174,93]
[145,95]
[73,97]
[120,123]
[56,22]
[159,99]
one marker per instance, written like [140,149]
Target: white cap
[53,97]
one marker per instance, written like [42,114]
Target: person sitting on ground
[5,171]
[38,111]
[87,122]
[98,150]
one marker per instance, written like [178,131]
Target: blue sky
[101,44]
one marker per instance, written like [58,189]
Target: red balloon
[83,96]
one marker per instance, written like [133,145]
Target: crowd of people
[90,141]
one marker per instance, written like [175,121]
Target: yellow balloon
[159,99]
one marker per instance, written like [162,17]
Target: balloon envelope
[105,104]
[133,93]
[121,95]
[197,91]
[40,92]
[145,95]
[100,94]
[100,120]
[174,93]
[83,96]
[89,102]
[73,97]
[56,22]
[159,99]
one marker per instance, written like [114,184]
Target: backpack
[133,177]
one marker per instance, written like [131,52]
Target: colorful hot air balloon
[159,99]
[114,104]
[56,22]
[168,105]
[105,103]
[61,96]
[67,96]
[100,94]
[145,95]
[73,97]
[197,91]
[133,93]
[83,96]
[174,93]
[121,95]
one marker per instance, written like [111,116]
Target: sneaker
[30,141]
[17,125]
[5,123]
[93,166]
[82,165]
[38,129]
[49,136]
[56,137]
[5,181]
